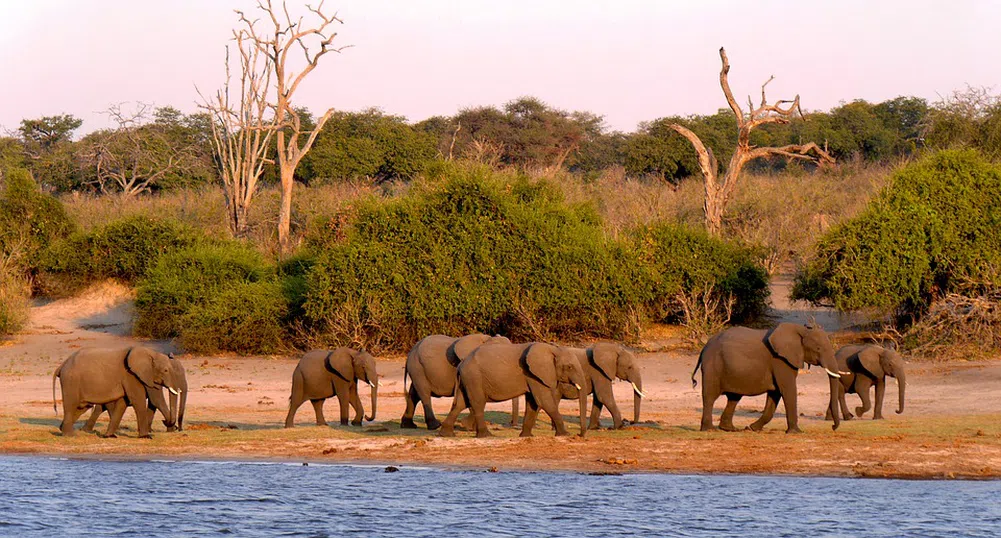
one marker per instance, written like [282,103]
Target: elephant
[746,362]
[173,417]
[602,364]
[499,372]
[866,365]
[114,378]
[322,374]
[431,368]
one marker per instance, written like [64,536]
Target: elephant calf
[867,365]
[322,374]
[173,418]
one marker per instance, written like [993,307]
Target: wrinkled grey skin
[431,366]
[603,363]
[499,372]
[746,362]
[173,418]
[864,366]
[322,374]
[114,378]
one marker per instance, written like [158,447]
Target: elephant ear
[605,358]
[786,341]
[541,363]
[872,359]
[341,363]
[139,361]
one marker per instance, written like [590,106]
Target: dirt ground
[237,406]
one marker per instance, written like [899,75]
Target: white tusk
[173,391]
[844,373]
[576,386]
[371,384]
[638,391]
[832,374]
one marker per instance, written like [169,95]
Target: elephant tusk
[371,384]
[844,373]
[576,386]
[638,391]
[832,374]
[173,391]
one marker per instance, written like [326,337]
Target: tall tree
[718,193]
[280,36]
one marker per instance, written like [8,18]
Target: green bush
[29,219]
[14,301]
[187,279]
[125,249]
[244,317]
[935,227]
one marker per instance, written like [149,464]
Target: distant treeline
[163,148]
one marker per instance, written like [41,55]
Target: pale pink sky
[630,60]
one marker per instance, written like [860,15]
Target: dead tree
[282,36]
[242,127]
[718,193]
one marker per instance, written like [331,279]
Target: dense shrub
[937,225]
[29,219]
[123,249]
[194,277]
[14,301]
[245,317]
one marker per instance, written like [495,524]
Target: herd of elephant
[478,369]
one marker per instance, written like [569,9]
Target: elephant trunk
[901,384]
[375,398]
[582,398]
[637,397]
[835,384]
[171,421]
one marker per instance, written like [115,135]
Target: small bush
[937,224]
[14,301]
[244,317]
[190,278]
[124,249]
[29,219]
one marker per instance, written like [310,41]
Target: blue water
[59,497]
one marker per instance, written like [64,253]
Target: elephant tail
[697,366]
[405,381]
[54,376]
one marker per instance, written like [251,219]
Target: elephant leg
[862,386]
[709,396]
[411,397]
[531,413]
[771,403]
[458,404]
[137,399]
[726,419]
[117,410]
[92,421]
[595,421]
[551,406]
[845,414]
[318,410]
[356,404]
[71,413]
[603,393]
[421,388]
[880,392]
[787,390]
[294,403]
[343,400]
[514,412]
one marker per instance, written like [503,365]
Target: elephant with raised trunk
[865,366]
[173,417]
[603,363]
[747,362]
[322,374]
[114,378]
[500,372]
[431,366]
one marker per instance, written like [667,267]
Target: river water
[60,497]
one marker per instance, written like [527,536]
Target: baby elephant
[867,365]
[322,374]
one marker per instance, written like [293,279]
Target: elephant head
[354,365]
[879,362]
[615,361]
[798,345]
[552,365]
[152,368]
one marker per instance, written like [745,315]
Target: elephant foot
[848,416]
[484,433]
[147,436]
[754,427]
[878,417]
[356,423]
[728,427]
[562,433]
[709,428]
[433,424]
[109,436]
[173,429]
[343,423]
[525,434]
[87,430]
[408,424]
[794,429]
[859,411]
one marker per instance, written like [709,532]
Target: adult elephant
[431,366]
[322,374]
[747,362]
[499,372]
[114,378]
[173,417]
[603,363]
[866,365]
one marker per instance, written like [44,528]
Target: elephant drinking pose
[114,378]
[322,374]
[867,365]
[431,368]
[499,372]
[746,362]
[173,418]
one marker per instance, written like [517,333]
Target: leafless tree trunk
[242,131]
[718,194]
[282,36]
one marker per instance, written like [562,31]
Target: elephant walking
[499,372]
[747,362]
[431,366]
[865,366]
[173,417]
[322,374]
[115,379]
